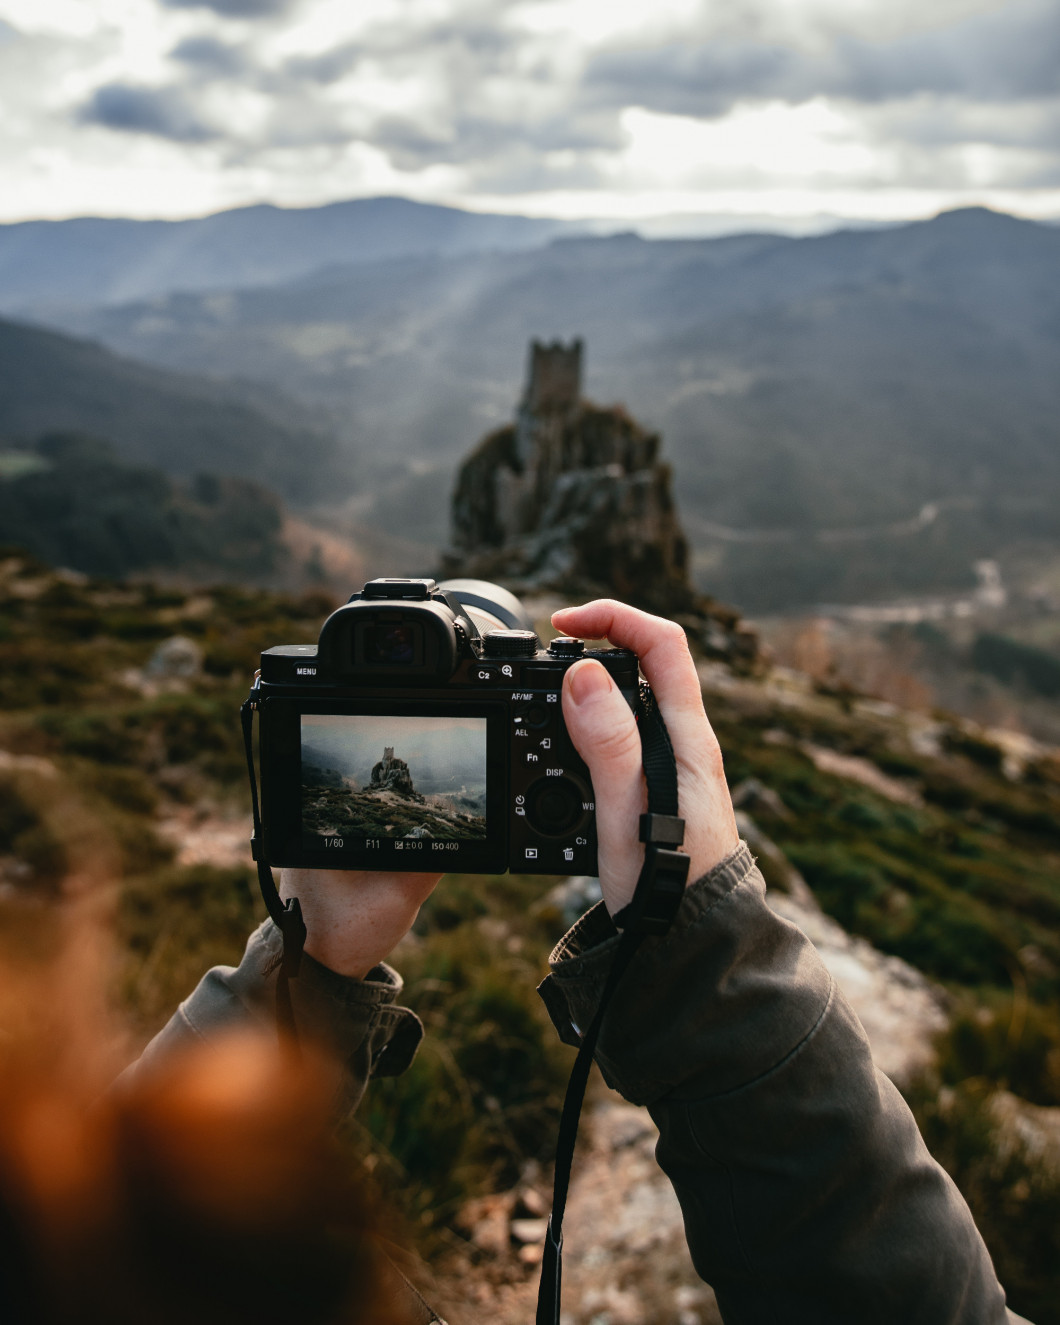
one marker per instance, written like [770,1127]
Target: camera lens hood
[502,610]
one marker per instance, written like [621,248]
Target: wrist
[355,919]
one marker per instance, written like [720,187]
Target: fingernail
[587,681]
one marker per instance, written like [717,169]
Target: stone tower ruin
[573,498]
[554,380]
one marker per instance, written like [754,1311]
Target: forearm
[807,1192]
[357,1022]
[809,1195]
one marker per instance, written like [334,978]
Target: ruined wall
[554,378]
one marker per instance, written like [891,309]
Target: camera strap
[655,901]
[287,916]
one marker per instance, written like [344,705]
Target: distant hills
[815,394]
[55,383]
[70,501]
[98,260]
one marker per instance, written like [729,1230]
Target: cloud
[162,112]
[688,79]
[327,67]
[479,140]
[235,8]
[930,123]
[478,99]
[1010,53]
[210,56]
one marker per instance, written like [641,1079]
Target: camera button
[535,714]
[484,675]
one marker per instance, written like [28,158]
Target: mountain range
[103,260]
[850,415]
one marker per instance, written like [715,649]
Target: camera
[424,732]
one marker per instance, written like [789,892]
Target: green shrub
[201,729]
[124,788]
[1007,1040]
[102,736]
[904,912]
[41,850]
[1013,1197]
[485,1091]
[898,764]
[173,925]
[1016,663]
[15,815]
[27,838]
[976,748]
[863,814]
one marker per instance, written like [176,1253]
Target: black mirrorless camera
[424,732]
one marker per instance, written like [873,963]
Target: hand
[605,734]
[354,918]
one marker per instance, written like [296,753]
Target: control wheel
[556,806]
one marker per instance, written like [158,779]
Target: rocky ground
[327,811]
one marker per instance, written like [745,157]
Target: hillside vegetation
[919,836]
[71,501]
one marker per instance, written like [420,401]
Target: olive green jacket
[808,1194]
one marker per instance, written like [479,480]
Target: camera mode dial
[510,644]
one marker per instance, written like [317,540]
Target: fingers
[603,730]
[661,646]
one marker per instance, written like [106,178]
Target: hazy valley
[815,395]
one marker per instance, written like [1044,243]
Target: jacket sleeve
[357,1021]
[808,1195]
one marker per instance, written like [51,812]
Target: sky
[617,109]
[442,753]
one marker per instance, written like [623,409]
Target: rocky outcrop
[573,498]
[392,774]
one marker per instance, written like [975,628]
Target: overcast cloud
[566,107]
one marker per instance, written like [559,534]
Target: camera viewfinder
[385,645]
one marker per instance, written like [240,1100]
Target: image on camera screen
[409,779]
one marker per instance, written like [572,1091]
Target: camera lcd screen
[406,779]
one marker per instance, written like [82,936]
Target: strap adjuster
[659,891]
[665,830]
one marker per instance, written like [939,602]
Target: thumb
[604,732]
